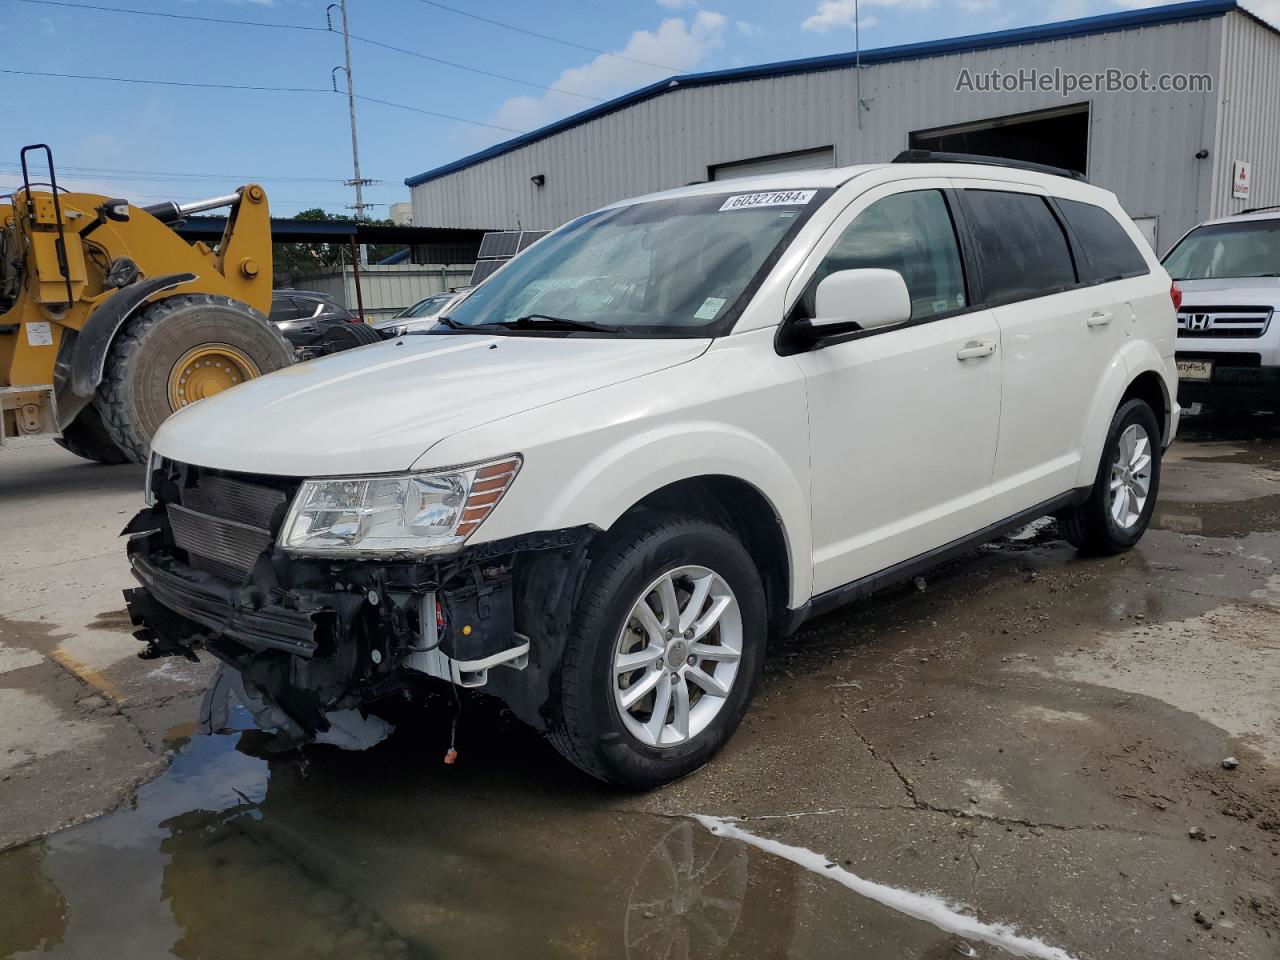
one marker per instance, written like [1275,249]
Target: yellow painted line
[90,675]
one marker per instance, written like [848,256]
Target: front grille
[224,523]
[1231,322]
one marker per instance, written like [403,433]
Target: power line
[235,86]
[176,16]
[432,113]
[233,21]
[169,83]
[116,173]
[543,36]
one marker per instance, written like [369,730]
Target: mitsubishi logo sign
[1198,321]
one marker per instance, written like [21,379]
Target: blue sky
[298,144]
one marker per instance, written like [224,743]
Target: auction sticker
[778,198]
[39,334]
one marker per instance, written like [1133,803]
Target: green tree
[294,261]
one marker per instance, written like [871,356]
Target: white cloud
[840,13]
[1268,10]
[676,44]
[748,29]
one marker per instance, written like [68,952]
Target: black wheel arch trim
[90,358]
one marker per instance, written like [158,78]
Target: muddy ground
[1026,756]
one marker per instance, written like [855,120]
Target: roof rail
[1274,206]
[929,156]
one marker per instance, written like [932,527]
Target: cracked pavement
[1034,739]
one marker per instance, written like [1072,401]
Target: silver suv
[1228,349]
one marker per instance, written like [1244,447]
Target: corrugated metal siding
[1249,123]
[388,289]
[1142,145]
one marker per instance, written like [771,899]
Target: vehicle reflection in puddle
[389,854]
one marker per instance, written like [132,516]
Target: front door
[902,420]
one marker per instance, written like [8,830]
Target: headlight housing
[413,513]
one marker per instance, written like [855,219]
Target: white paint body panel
[869,452]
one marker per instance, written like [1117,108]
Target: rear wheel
[348,336]
[666,649]
[1123,498]
[175,352]
[86,437]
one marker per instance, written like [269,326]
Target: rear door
[1057,335]
[902,420]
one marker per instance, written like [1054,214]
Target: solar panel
[485,269]
[530,237]
[500,245]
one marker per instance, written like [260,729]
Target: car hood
[377,409]
[1228,292]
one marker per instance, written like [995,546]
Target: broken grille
[224,524]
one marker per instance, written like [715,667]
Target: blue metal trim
[1106,23]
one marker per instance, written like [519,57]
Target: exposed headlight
[411,513]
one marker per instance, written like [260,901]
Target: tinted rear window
[1107,247]
[1023,249]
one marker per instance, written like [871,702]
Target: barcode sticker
[778,198]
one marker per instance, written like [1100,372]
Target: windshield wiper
[540,321]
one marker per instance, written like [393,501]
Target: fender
[1132,360]
[621,476]
[100,329]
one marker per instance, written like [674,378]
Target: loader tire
[348,336]
[177,351]
[86,437]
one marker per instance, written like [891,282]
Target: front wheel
[1123,497]
[665,652]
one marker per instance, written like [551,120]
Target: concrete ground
[1025,757]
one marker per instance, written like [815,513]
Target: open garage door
[1058,137]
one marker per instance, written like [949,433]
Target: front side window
[664,268]
[911,233]
[1111,252]
[1023,249]
[428,307]
[1250,248]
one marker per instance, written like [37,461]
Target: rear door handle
[976,350]
[1101,319]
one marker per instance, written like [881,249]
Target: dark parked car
[316,325]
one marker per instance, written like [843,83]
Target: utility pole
[356,181]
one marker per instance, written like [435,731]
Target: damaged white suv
[669,431]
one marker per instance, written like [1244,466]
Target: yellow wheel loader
[109,321]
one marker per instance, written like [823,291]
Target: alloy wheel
[1131,477]
[677,656]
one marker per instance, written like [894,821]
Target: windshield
[666,268]
[1250,248]
[428,307]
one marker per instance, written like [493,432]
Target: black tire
[86,437]
[133,397]
[1090,527]
[348,336]
[586,727]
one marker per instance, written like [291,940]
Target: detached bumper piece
[220,609]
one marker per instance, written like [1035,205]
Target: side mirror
[864,299]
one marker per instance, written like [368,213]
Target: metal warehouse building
[1173,158]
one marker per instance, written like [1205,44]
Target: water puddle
[388,854]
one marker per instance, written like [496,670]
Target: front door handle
[976,350]
[1101,319]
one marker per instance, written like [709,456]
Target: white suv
[676,427]
[1228,348]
